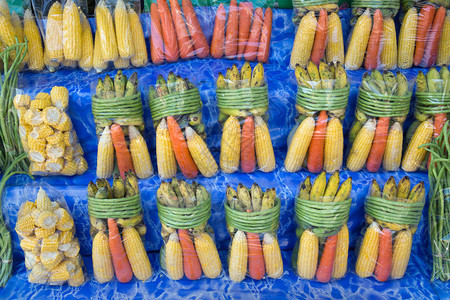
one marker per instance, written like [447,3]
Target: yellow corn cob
[140,57]
[65,237]
[304,40]
[165,157]
[43,131]
[46,220]
[30,244]
[59,96]
[33,117]
[78,149]
[39,271]
[174,257]
[65,221]
[87,42]
[272,256]
[299,145]
[335,44]
[208,255]
[122,63]
[139,154]
[70,138]
[101,258]
[82,165]
[200,153]
[62,272]
[401,253]
[71,32]
[123,32]
[389,52]
[230,149]
[407,39]
[358,43]
[367,256]
[52,116]
[31,260]
[68,153]
[361,146]
[414,156]
[238,257]
[38,156]
[77,279]
[43,201]
[26,208]
[55,138]
[443,57]
[334,146]
[393,154]
[98,62]
[21,100]
[55,151]
[107,35]
[49,244]
[7,32]
[341,257]
[54,165]
[140,264]
[64,124]
[4,8]
[308,255]
[263,146]
[105,156]
[54,33]
[44,233]
[51,65]
[17,24]
[36,144]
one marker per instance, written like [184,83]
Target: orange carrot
[121,264]
[256,267]
[320,41]
[218,38]
[439,121]
[245,21]
[315,151]
[325,268]
[156,40]
[169,35]
[384,261]
[182,154]
[185,43]
[431,49]
[191,264]
[378,145]
[200,44]
[426,16]
[251,48]
[232,30]
[248,162]
[266,32]
[123,155]
[371,61]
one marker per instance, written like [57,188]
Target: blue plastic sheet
[282,89]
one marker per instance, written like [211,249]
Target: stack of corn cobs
[117,246]
[386,247]
[189,251]
[318,138]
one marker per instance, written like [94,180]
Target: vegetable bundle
[432,111]
[117,110]
[47,237]
[242,98]
[176,106]
[117,228]
[318,138]
[252,221]
[392,216]
[388,8]
[376,136]
[303,7]
[322,211]
[246,34]
[189,248]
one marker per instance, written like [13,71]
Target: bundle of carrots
[246,34]
[175,32]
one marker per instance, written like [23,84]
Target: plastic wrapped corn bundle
[242,99]
[318,138]
[321,212]
[176,110]
[117,230]
[376,136]
[405,5]
[392,216]
[47,134]
[303,7]
[389,8]
[47,237]
[189,248]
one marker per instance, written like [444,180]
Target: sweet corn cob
[49,244]
[65,237]
[335,44]
[40,103]
[414,156]
[43,201]
[31,260]
[82,165]
[263,146]
[17,24]
[54,33]
[238,257]
[123,31]
[401,253]
[389,52]
[25,225]
[299,145]
[36,144]
[407,39]
[55,151]
[30,244]
[51,259]
[59,96]
[122,63]
[304,40]
[62,272]
[101,258]
[52,116]
[174,257]
[200,153]
[393,153]
[21,100]
[26,208]
[341,257]
[77,278]
[140,57]
[98,62]
[208,255]
[140,264]
[65,221]
[41,132]
[47,220]
[139,154]
[230,149]
[7,32]
[358,43]
[37,168]
[443,57]
[272,256]
[42,233]
[334,146]
[367,257]
[4,8]
[308,255]
[71,32]
[51,65]
[361,146]
[54,165]
[55,138]
[165,157]
[107,35]
[87,49]
[39,271]
[33,117]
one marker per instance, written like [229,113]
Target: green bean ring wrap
[184,217]
[179,103]
[128,107]
[114,208]
[322,99]
[378,105]
[243,99]
[396,212]
[395,4]
[433,103]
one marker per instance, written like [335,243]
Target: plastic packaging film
[303,7]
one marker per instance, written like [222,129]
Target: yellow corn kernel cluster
[407,39]
[304,40]
[265,156]
[139,154]
[101,258]
[238,257]
[107,35]
[137,256]
[123,31]
[335,43]
[105,155]
[230,149]
[389,52]
[358,42]
[272,256]
[35,48]
[140,56]
[87,42]
[54,33]
[308,255]
[443,57]
[400,253]
[334,146]
[394,145]
[208,255]
[174,257]
[299,145]
[200,153]
[71,32]
[341,256]
[98,63]
[413,157]
[368,254]
[361,146]
[165,157]
[8,33]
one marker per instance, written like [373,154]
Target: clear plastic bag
[317,140]
[117,230]
[47,134]
[392,216]
[252,222]
[176,110]
[242,98]
[47,236]
[321,212]
[189,248]
[303,7]
[376,136]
